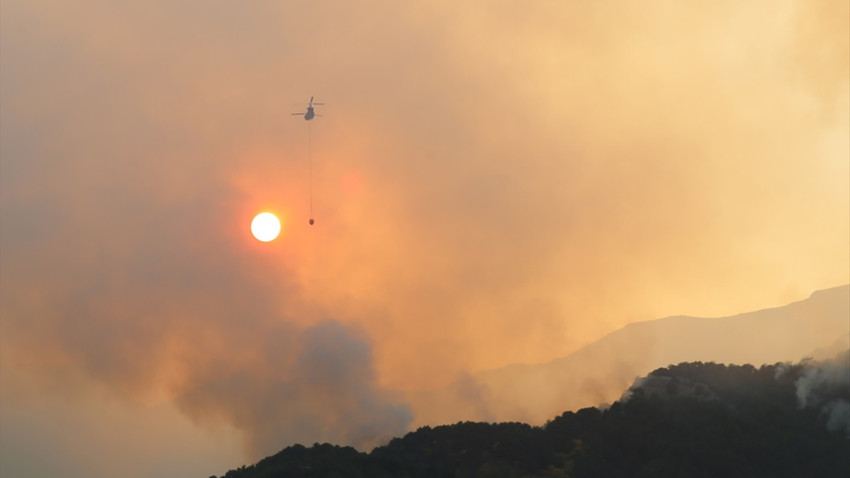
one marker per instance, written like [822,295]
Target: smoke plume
[825,385]
[187,318]
[318,386]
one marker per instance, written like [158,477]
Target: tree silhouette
[687,420]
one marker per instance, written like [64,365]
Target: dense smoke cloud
[318,386]
[183,319]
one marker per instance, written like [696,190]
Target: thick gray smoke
[319,386]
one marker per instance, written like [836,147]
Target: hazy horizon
[490,186]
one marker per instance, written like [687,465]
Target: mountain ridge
[598,372]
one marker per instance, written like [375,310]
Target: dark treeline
[689,420]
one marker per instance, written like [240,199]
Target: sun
[265,226]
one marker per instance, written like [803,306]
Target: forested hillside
[688,420]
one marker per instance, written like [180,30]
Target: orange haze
[491,185]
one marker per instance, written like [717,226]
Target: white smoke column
[838,415]
[819,384]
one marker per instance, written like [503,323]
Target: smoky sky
[491,185]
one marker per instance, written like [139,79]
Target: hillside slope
[690,420]
[599,372]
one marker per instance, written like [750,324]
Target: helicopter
[310,114]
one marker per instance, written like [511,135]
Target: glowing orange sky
[491,185]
